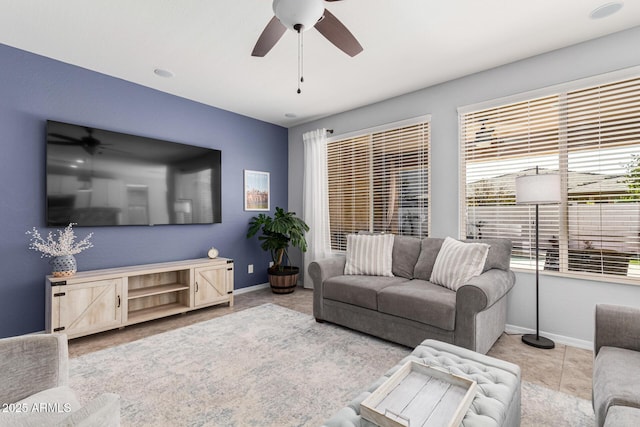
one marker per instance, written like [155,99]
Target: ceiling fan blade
[269,37]
[338,34]
[65,137]
[67,143]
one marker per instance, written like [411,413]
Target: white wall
[566,305]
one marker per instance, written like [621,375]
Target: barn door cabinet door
[213,285]
[86,307]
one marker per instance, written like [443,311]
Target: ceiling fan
[302,15]
[89,143]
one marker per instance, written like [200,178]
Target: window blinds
[591,137]
[379,182]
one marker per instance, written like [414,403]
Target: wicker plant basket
[283,281]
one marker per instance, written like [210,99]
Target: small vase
[63,266]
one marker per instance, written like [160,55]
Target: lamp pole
[531,339]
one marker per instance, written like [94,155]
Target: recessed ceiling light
[605,10]
[290,115]
[163,73]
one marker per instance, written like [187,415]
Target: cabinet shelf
[151,313]
[156,290]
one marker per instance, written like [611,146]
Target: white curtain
[315,199]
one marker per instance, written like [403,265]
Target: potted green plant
[279,232]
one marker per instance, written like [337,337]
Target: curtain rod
[330,131]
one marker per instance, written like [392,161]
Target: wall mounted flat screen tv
[98,177]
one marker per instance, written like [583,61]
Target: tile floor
[567,369]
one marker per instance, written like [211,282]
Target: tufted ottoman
[497,402]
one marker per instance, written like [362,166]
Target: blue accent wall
[33,89]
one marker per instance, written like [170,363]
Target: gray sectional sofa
[407,308]
[616,368]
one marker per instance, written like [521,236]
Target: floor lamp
[538,189]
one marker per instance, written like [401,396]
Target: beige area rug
[264,366]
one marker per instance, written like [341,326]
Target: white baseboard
[560,339]
[250,288]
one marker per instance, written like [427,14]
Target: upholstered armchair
[616,367]
[34,390]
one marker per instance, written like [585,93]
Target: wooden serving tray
[418,395]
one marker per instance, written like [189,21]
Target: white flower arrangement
[65,243]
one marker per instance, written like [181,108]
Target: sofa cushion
[369,254]
[32,419]
[622,416]
[457,262]
[420,301]
[616,379]
[406,250]
[63,397]
[47,407]
[499,255]
[358,290]
[429,249]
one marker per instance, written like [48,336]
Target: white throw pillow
[457,262]
[369,254]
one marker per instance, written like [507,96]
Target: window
[379,181]
[590,135]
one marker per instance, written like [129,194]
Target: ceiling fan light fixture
[292,13]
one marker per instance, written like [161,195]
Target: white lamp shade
[538,189]
[292,12]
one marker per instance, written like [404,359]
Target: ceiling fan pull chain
[300,78]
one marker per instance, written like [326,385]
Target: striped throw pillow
[369,254]
[457,262]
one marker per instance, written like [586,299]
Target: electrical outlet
[270,263]
[250,269]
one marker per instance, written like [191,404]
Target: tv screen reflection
[97,178]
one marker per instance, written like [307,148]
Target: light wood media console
[95,301]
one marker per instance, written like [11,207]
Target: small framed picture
[256,191]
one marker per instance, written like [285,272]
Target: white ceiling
[206,44]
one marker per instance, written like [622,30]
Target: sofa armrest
[103,411]
[32,363]
[616,326]
[320,271]
[485,290]
[476,296]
